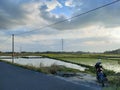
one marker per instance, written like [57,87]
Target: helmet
[98,63]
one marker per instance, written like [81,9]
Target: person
[98,67]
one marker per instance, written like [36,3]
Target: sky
[33,23]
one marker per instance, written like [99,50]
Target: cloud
[107,17]
[11,15]
[15,15]
[52,5]
[5,42]
[69,3]
[87,32]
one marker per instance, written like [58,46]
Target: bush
[114,82]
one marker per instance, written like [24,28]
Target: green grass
[53,69]
[111,88]
[87,59]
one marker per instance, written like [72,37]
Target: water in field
[37,62]
[107,64]
[113,65]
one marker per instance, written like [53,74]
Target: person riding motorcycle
[99,70]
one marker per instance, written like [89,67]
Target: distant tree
[117,51]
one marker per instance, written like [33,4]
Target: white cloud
[86,32]
[5,42]
[69,3]
[52,5]
[33,18]
[86,39]
[115,32]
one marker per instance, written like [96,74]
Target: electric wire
[102,6]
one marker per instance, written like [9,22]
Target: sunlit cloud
[87,32]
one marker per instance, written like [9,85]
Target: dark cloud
[48,16]
[11,14]
[108,16]
[12,9]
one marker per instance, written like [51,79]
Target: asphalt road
[17,78]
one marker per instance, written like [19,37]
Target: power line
[105,5]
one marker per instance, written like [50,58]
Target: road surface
[17,78]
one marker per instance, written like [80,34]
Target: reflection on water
[36,62]
[112,66]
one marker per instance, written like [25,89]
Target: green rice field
[109,61]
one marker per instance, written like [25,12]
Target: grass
[89,60]
[85,60]
[112,88]
[53,69]
[114,82]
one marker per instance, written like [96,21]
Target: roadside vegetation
[89,60]
[53,69]
[86,60]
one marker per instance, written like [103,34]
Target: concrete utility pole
[12,48]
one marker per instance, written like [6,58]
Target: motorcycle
[101,77]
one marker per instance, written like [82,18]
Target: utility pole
[20,53]
[12,48]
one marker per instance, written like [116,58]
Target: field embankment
[111,63]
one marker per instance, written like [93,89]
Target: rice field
[109,62]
